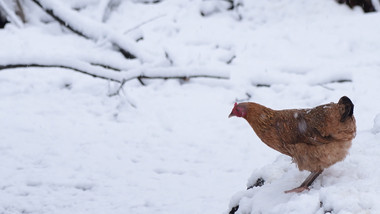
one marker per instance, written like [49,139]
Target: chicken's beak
[231,115]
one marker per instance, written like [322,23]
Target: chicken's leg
[308,181]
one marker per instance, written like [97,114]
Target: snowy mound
[350,186]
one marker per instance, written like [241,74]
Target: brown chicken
[315,138]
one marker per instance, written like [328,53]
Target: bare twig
[180,77]
[168,58]
[141,81]
[143,23]
[20,11]
[117,92]
[106,66]
[231,59]
[3,67]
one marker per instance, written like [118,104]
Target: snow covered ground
[168,147]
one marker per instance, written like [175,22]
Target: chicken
[315,138]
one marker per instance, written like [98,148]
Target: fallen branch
[13,66]
[123,77]
[106,66]
[11,15]
[60,21]
[174,73]
[165,74]
[90,29]
[20,12]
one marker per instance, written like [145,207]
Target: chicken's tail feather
[348,108]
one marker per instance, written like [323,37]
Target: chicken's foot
[305,185]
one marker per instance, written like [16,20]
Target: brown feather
[315,138]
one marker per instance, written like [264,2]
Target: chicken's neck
[262,120]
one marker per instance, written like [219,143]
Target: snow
[376,124]
[168,147]
[302,126]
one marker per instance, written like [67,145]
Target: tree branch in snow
[234,209]
[106,66]
[376,4]
[149,1]
[3,67]
[143,23]
[164,77]
[10,14]
[246,99]
[230,60]
[141,82]
[59,20]
[123,77]
[90,29]
[20,11]
[105,7]
[166,73]
[169,58]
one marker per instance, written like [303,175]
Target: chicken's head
[239,110]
